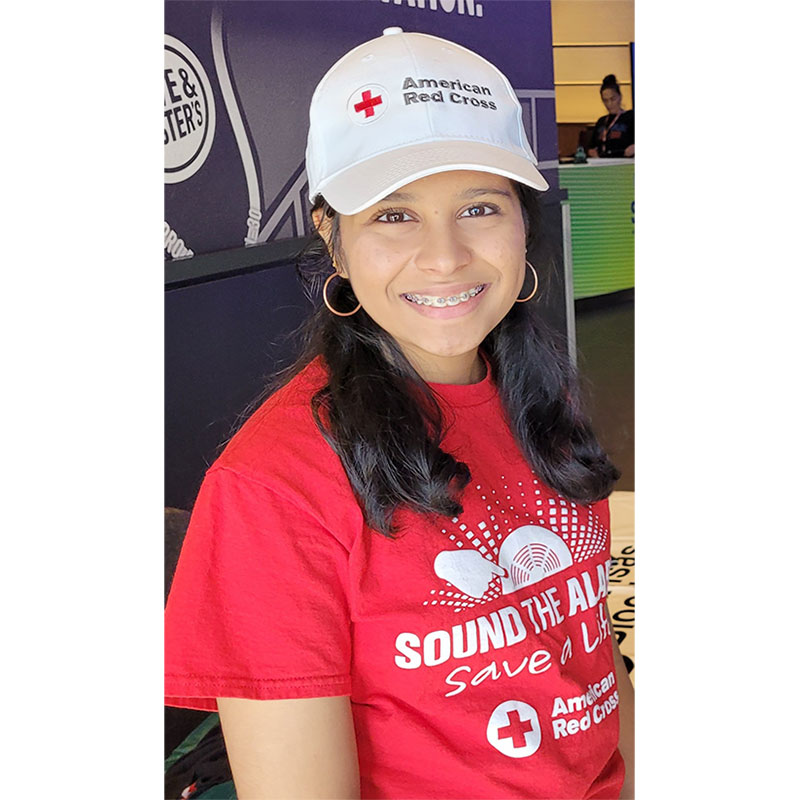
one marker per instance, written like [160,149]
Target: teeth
[441,302]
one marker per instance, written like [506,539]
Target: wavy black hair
[383,421]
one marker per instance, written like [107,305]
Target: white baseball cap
[407,105]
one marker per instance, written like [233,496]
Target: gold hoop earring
[535,284]
[330,307]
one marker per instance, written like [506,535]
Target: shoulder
[281,448]
[275,424]
[627,116]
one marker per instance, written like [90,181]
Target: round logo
[514,729]
[529,554]
[189,115]
[367,103]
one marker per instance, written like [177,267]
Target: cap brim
[358,187]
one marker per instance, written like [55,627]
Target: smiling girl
[421,504]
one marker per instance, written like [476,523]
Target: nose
[442,250]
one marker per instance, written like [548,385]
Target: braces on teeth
[439,302]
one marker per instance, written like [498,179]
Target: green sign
[601,213]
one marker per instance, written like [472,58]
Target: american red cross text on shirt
[516,727]
[367,103]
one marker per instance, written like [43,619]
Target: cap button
[390,31]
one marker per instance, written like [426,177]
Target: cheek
[515,256]
[508,250]
[372,267]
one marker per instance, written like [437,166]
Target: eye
[392,216]
[481,210]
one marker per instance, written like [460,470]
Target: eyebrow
[465,195]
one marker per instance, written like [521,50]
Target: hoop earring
[330,307]
[535,284]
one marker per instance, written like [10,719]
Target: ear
[324,226]
[322,223]
[319,219]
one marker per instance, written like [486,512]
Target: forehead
[461,184]
[607,94]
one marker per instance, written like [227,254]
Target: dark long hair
[383,421]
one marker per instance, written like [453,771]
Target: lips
[447,302]
[444,296]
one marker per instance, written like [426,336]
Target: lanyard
[609,127]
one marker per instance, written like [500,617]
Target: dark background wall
[222,339]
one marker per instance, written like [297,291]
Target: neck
[462,369]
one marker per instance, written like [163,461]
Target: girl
[394,581]
[613,134]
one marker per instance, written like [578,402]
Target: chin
[450,349]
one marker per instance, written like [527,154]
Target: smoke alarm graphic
[527,555]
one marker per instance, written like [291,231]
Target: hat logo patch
[367,103]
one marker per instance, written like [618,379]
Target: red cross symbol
[516,727]
[368,102]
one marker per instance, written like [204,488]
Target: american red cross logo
[516,729]
[368,103]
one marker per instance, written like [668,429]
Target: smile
[441,302]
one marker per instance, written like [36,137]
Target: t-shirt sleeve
[259,605]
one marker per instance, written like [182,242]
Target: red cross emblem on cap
[368,103]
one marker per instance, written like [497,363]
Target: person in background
[613,134]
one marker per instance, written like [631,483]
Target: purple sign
[238,80]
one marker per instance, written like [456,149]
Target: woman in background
[613,134]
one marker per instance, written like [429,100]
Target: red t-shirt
[475,650]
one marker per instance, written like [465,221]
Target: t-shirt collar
[470,394]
